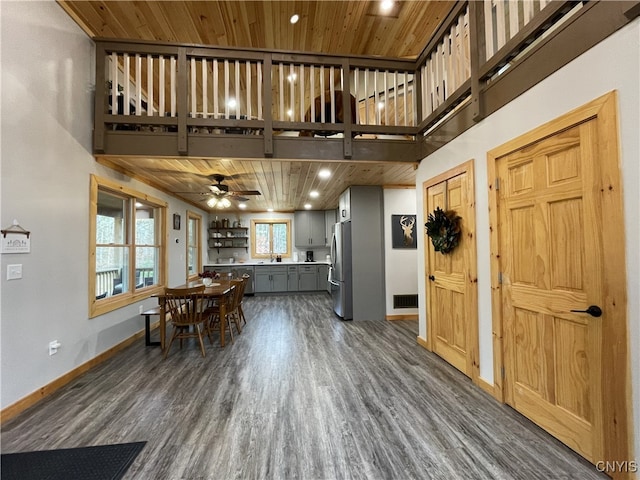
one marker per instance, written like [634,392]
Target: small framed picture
[403,231]
[176,221]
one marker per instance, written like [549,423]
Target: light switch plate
[14,272]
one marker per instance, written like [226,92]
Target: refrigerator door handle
[336,284]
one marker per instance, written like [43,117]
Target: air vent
[405,301]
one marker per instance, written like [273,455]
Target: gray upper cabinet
[329,222]
[344,208]
[310,228]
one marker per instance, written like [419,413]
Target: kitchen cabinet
[236,237]
[330,217]
[323,274]
[292,278]
[270,278]
[239,271]
[344,206]
[310,230]
[308,280]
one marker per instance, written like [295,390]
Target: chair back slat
[185,305]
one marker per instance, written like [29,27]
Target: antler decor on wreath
[443,228]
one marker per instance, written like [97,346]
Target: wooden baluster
[161,82]
[332,90]
[138,85]
[302,102]
[226,89]
[292,94]
[312,93]
[356,76]
[150,99]
[194,108]
[215,90]
[248,87]
[236,94]
[322,109]
[126,84]
[259,86]
[204,89]
[173,86]
[281,90]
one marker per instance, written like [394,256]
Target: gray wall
[47,96]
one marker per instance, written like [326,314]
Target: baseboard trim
[21,405]
[486,386]
[392,318]
[422,342]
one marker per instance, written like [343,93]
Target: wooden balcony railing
[160,93]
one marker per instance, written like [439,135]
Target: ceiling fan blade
[245,192]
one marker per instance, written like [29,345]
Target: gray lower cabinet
[292,278]
[308,278]
[323,275]
[238,272]
[270,278]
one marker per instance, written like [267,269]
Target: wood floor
[299,395]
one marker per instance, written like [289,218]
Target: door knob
[593,310]
[432,278]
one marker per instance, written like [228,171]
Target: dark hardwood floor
[298,395]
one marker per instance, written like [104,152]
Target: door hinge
[500,278]
[497,184]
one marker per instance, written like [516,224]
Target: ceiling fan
[220,195]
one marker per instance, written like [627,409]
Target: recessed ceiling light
[314,194]
[269,209]
[232,103]
[380,105]
[386,6]
[324,173]
[290,113]
[307,206]
[292,77]
[294,18]
[242,206]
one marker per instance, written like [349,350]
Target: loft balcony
[184,100]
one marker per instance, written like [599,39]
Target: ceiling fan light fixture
[212,202]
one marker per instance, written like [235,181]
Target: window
[194,255]
[127,246]
[270,237]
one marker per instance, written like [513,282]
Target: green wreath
[443,228]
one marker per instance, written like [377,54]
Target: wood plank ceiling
[335,27]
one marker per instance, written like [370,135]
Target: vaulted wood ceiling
[336,27]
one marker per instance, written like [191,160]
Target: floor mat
[101,462]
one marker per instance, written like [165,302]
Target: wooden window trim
[198,246]
[270,221]
[109,304]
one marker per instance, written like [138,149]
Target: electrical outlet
[53,347]
[141,308]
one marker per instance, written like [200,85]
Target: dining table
[220,290]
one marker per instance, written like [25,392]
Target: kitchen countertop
[254,263]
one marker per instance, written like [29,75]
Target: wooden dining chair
[245,279]
[189,314]
[213,324]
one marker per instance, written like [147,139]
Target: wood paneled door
[556,217]
[451,284]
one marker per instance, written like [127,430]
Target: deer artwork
[407,229]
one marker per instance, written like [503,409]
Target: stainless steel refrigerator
[340,273]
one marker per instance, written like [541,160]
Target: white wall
[401,265]
[47,97]
[611,65]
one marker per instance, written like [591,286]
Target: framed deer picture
[403,231]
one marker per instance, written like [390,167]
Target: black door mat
[101,462]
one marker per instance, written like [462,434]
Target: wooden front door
[552,253]
[451,278]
